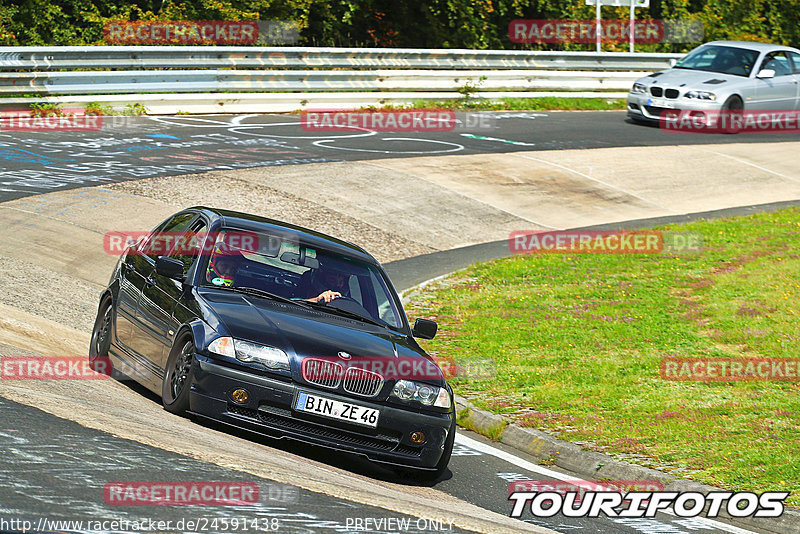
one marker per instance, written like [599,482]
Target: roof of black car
[248,221]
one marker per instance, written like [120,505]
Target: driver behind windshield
[223,267]
[324,284]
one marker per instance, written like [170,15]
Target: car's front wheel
[733,107]
[178,377]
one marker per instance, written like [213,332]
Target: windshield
[291,270]
[723,59]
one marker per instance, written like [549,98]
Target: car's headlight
[270,357]
[701,95]
[223,346]
[407,390]
[639,88]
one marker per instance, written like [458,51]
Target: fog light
[240,396]
[417,438]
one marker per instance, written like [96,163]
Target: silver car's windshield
[723,59]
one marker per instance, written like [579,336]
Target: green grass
[96,108]
[517,104]
[494,432]
[577,341]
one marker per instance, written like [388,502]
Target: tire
[100,342]
[733,105]
[178,377]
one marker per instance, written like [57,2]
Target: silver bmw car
[720,76]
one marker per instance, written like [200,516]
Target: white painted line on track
[485,448]
[749,163]
[530,466]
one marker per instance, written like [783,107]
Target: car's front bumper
[642,106]
[269,409]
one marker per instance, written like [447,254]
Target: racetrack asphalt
[137,147]
[37,163]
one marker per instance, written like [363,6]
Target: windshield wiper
[303,304]
[345,313]
[266,294]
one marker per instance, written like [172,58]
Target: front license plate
[342,411]
[660,103]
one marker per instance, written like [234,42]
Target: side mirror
[766,74]
[424,329]
[170,267]
[673,62]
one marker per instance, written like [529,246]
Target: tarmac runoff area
[54,265]
[394,208]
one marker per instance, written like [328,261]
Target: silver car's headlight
[426,394]
[701,95]
[639,88]
[270,357]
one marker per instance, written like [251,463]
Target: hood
[691,79]
[301,332]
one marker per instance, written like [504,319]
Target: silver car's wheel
[733,107]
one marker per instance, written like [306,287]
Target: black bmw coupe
[278,329]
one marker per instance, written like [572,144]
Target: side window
[160,242]
[779,62]
[187,247]
[796,60]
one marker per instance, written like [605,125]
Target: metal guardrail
[207,57]
[199,81]
[145,73]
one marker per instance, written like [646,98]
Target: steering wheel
[342,298]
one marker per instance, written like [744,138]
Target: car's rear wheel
[101,341]
[178,377]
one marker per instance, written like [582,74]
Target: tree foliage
[474,24]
